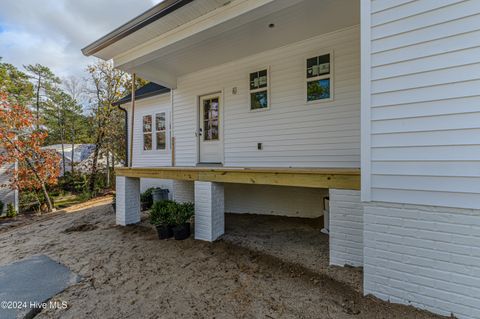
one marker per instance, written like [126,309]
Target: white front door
[211,131]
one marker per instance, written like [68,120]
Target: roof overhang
[146,18]
[224,32]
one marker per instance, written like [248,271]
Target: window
[211,119]
[319,78]
[160,131]
[147,132]
[259,90]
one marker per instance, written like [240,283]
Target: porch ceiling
[230,33]
[335,178]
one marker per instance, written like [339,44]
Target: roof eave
[162,9]
[141,97]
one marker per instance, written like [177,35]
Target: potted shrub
[182,218]
[161,216]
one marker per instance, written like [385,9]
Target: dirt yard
[128,273]
[295,240]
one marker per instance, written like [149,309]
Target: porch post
[209,211]
[127,200]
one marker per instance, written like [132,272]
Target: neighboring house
[81,153]
[276,104]
[7,195]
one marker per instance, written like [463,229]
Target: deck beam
[337,178]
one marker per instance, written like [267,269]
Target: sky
[52,32]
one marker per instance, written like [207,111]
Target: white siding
[293,133]
[274,200]
[149,106]
[154,158]
[424,102]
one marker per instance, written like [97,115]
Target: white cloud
[52,32]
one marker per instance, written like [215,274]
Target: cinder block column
[346,228]
[183,191]
[209,211]
[128,200]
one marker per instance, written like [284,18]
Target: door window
[210,119]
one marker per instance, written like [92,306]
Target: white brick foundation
[424,256]
[346,228]
[127,200]
[183,191]
[209,211]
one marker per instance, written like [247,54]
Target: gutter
[140,97]
[160,10]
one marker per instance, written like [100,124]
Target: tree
[59,109]
[107,85]
[78,123]
[15,83]
[44,80]
[35,167]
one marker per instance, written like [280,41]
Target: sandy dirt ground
[295,240]
[128,273]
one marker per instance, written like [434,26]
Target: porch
[206,187]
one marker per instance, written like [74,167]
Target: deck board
[338,178]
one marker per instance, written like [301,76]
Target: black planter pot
[181,232]
[164,231]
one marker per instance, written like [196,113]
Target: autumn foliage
[35,168]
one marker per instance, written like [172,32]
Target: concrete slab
[26,284]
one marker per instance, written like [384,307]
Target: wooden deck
[338,178]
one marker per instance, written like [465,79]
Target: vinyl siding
[149,106]
[293,133]
[425,102]
[154,158]
[274,200]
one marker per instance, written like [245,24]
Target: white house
[81,152]
[7,194]
[268,106]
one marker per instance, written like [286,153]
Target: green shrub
[11,211]
[163,212]
[146,197]
[184,213]
[2,205]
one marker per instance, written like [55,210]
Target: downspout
[133,119]
[124,110]
[172,135]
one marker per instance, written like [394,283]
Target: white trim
[330,76]
[153,133]
[143,116]
[365,92]
[165,130]
[259,90]
[221,94]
